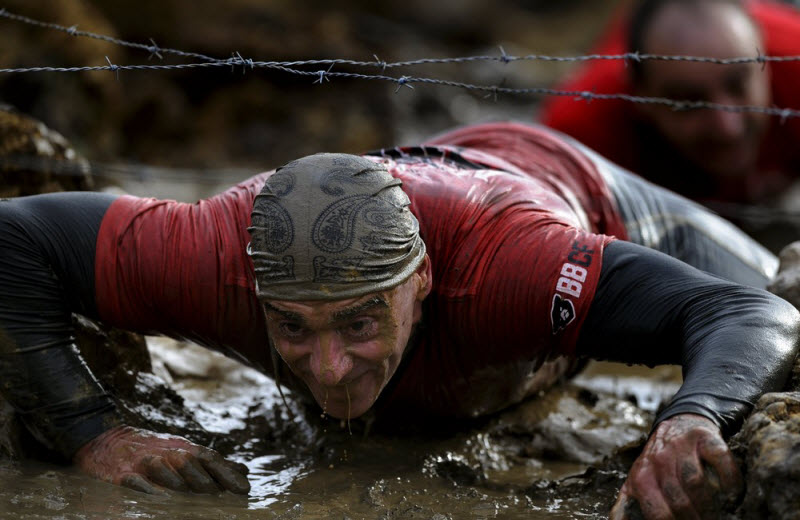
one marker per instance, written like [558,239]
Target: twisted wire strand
[502,57]
[410,81]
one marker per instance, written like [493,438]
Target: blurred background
[186,134]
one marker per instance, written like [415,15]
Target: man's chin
[728,162]
[342,411]
[339,405]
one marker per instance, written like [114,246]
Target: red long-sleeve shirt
[516,246]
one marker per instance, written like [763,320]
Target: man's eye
[362,328]
[292,330]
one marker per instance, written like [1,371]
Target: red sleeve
[182,269]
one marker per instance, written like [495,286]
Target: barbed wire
[155,50]
[408,81]
[147,173]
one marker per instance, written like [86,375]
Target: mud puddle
[553,457]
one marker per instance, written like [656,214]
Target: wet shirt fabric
[515,264]
[613,128]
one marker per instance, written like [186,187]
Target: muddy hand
[153,462]
[685,471]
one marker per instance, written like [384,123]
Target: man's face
[347,350]
[725,144]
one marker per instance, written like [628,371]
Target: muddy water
[544,459]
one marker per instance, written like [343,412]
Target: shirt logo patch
[570,282]
[562,313]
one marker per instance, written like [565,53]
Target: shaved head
[725,144]
[675,27]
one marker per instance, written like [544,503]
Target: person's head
[722,143]
[341,272]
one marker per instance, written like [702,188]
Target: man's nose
[726,124]
[330,362]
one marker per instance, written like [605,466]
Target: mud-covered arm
[47,249]
[734,342]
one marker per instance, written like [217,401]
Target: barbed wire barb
[236,59]
[380,63]
[785,114]
[585,96]
[154,51]
[503,56]
[323,75]
[761,59]
[112,67]
[632,56]
[401,82]
[494,89]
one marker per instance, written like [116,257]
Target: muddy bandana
[330,227]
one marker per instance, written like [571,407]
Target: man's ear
[424,271]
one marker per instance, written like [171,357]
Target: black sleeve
[47,252]
[734,342]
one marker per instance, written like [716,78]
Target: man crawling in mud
[444,280]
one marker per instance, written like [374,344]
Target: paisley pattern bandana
[332,227]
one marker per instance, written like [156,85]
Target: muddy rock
[573,425]
[787,282]
[37,159]
[770,441]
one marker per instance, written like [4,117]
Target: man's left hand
[685,471]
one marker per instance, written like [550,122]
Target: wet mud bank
[562,454]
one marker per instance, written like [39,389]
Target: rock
[455,468]
[786,283]
[770,440]
[36,159]
[566,425]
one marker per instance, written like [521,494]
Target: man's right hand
[685,471]
[152,462]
